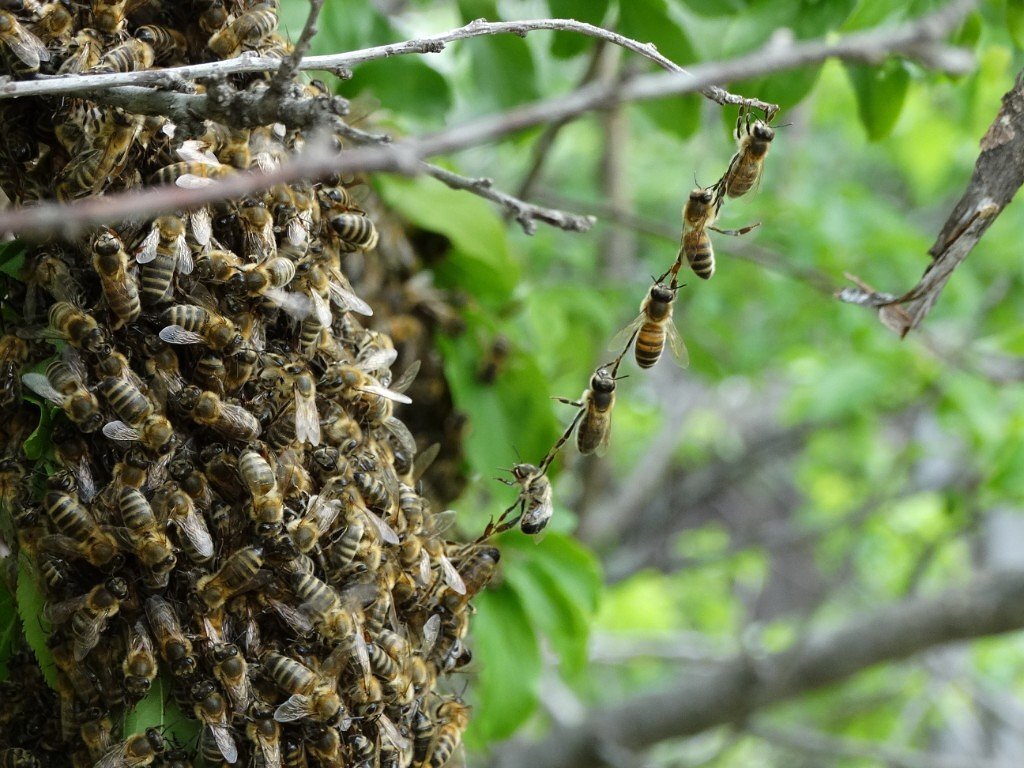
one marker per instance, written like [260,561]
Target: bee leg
[565,436]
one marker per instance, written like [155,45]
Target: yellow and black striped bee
[247,29]
[754,139]
[164,250]
[119,287]
[62,385]
[89,614]
[595,414]
[653,327]
[23,45]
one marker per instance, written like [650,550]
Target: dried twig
[998,174]
[290,65]
[916,39]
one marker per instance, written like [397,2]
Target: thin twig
[343,62]
[918,39]
[291,64]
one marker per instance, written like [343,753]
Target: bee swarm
[229,514]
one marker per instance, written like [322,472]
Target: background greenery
[817,466]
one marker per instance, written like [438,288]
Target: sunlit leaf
[30,609]
[1015,21]
[503,65]
[881,91]
[12,258]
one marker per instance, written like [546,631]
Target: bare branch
[998,174]
[290,66]
[809,742]
[729,693]
[917,39]
[340,63]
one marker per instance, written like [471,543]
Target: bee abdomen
[699,253]
[650,342]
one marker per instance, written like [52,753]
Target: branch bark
[998,174]
[919,39]
[992,604]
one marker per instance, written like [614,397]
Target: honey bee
[212,709]
[175,647]
[191,174]
[180,510]
[248,28]
[132,55]
[16,757]
[310,695]
[62,385]
[264,732]
[168,45]
[699,214]
[139,665]
[257,230]
[148,541]
[323,743]
[352,227]
[139,749]
[595,414]
[108,15]
[208,409]
[13,354]
[534,500]
[89,613]
[653,326]
[120,290]
[327,286]
[372,402]
[85,51]
[140,421]
[219,266]
[293,479]
[24,45]
[95,729]
[189,324]
[163,250]
[236,575]
[48,271]
[212,15]
[79,329]
[476,567]
[55,22]
[320,516]
[104,160]
[267,503]
[452,719]
[754,140]
[232,672]
[295,379]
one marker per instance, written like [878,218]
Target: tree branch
[919,39]
[729,693]
[998,174]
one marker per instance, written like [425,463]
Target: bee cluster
[649,332]
[229,514]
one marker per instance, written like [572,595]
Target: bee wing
[402,435]
[195,151]
[676,344]
[296,305]
[431,630]
[239,419]
[295,708]
[175,334]
[408,376]
[240,693]
[377,360]
[271,752]
[307,419]
[225,743]
[386,532]
[73,360]
[265,162]
[118,430]
[191,181]
[620,339]
[113,757]
[388,730]
[362,654]
[293,617]
[140,641]
[147,250]
[442,521]
[58,613]
[451,575]
[184,256]
[424,576]
[322,308]
[424,459]
[348,301]
[296,232]
[41,385]
[202,226]
[85,480]
[376,389]
[326,513]
[193,527]
[27,47]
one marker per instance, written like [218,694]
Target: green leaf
[506,649]
[159,710]
[873,13]
[679,115]
[479,261]
[786,89]
[30,608]
[503,67]
[39,443]
[716,7]
[8,626]
[565,45]
[571,564]
[816,17]
[970,31]
[1015,21]
[881,91]
[12,258]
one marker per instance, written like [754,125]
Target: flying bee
[179,509]
[212,710]
[147,540]
[62,385]
[164,249]
[120,289]
[79,329]
[175,647]
[89,614]
[232,672]
[13,354]
[189,324]
[248,28]
[132,55]
[168,44]
[24,45]
[139,665]
[310,695]
[653,326]
[208,409]
[140,422]
[264,732]
[236,575]
[754,140]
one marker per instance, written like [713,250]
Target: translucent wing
[297,305]
[191,181]
[348,301]
[386,532]
[362,654]
[408,376]
[376,389]
[193,527]
[675,342]
[307,419]
[41,385]
[424,568]
[620,339]
[377,360]
[195,151]
[431,629]
[424,459]
[58,613]
[113,757]
[27,47]
[296,232]
[184,256]
[118,430]
[402,435]
[450,575]
[175,334]
[225,743]
[147,251]
[295,708]
[390,732]
[442,521]
[322,308]
[291,616]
